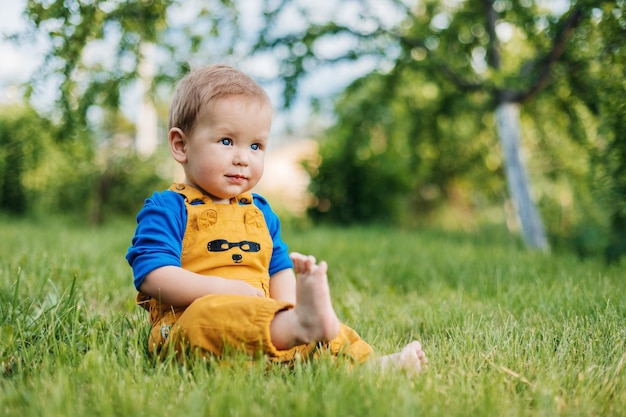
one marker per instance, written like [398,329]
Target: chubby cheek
[208,170]
[261,167]
[257,168]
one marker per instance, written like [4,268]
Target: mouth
[237,179]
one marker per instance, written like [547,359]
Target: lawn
[508,332]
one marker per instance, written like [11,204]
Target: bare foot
[313,304]
[411,359]
[313,319]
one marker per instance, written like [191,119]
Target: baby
[208,259]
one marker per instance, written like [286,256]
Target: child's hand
[236,287]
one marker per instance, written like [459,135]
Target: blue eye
[255,146]
[226,141]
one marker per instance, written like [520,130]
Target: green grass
[508,332]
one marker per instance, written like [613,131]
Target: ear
[178,145]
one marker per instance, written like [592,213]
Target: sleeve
[157,242]
[280,255]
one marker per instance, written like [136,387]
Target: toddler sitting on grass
[208,260]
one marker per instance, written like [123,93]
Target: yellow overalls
[230,241]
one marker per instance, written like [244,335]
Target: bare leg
[313,319]
[411,359]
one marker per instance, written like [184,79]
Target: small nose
[240,158]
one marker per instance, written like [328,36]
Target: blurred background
[460,114]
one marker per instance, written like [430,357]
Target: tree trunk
[147,132]
[508,125]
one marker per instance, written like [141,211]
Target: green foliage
[414,135]
[402,146]
[582,183]
[364,169]
[24,139]
[597,67]
[95,54]
[113,182]
[438,75]
[125,179]
[118,30]
[508,332]
[41,176]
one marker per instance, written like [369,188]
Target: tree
[443,73]
[597,67]
[494,55]
[24,139]
[97,51]
[96,48]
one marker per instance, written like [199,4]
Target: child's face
[224,153]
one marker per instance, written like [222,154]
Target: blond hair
[206,84]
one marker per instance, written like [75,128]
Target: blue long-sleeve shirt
[161,225]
